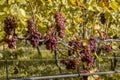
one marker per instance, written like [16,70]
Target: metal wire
[54,59]
[69,75]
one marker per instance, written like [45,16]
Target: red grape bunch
[10,25]
[87,57]
[107,48]
[92,42]
[51,40]
[71,64]
[11,42]
[60,21]
[34,35]
[76,45]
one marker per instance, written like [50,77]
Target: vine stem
[39,52]
[56,61]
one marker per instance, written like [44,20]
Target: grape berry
[92,42]
[107,48]
[34,35]
[76,45]
[11,42]
[10,25]
[60,24]
[71,64]
[87,57]
[51,41]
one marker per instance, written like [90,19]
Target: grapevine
[75,31]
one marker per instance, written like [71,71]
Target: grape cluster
[76,45]
[71,64]
[51,41]
[10,25]
[102,18]
[107,48]
[92,42]
[87,57]
[34,39]
[34,35]
[11,42]
[60,21]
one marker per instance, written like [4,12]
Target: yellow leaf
[93,70]
[73,2]
[80,20]
[42,1]
[49,1]
[114,5]
[68,31]
[22,12]
[11,1]
[21,1]
[100,59]
[18,0]
[2,13]
[41,25]
[2,2]
[39,17]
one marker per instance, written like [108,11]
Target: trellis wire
[54,59]
[69,75]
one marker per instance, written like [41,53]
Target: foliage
[76,27]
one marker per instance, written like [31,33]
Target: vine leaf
[114,5]
[2,2]
[100,59]
[11,1]
[22,12]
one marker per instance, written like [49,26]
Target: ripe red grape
[107,48]
[11,42]
[92,42]
[71,64]
[34,35]
[51,41]
[10,24]
[60,24]
[87,57]
[76,45]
